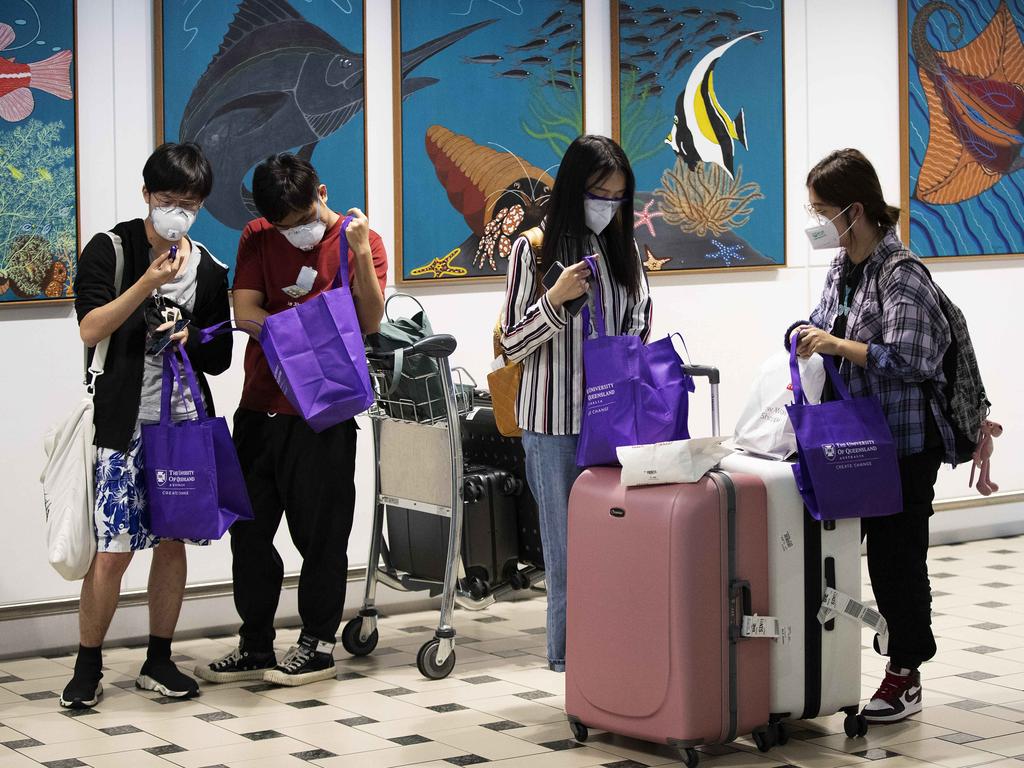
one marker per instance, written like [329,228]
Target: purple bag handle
[591,261]
[170,373]
[227,326]
[341,279]
[799,398]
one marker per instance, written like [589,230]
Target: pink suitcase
[659,579]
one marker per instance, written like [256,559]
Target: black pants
[310,478]
[898,563]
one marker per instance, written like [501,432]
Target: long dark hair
[845,177]
[591,159]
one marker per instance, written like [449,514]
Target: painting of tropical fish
[702,131]
[478,151]
[52,75]
[710,194]
[964,107]
[38,166]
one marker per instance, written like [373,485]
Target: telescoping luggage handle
[711,374]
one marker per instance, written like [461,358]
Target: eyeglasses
[161,200]
[817,212]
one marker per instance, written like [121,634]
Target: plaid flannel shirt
[900,319]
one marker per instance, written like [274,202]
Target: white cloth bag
[764,428]
[69,474]
[676,461]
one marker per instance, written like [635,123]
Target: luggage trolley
[418,452]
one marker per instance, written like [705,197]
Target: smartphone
[572,306]
[173,254]
[160,340]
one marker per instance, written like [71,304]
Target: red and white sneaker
[897,698]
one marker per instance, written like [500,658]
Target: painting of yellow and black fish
[38,209]
[476,155]
[699,109]
[963,110]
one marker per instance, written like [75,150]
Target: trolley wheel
[781,734]
[690,757]
[579,731]
[350,638]
[426,661]
[477,587]
[856,726]
[763,740]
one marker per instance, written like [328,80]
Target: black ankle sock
[89,658]
[159,648]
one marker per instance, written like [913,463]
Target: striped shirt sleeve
[526,322]
[639,310]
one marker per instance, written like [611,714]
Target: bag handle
[99,357]
[341,279]
[799,398]
[387,315]
[226,326]
[170,373]
[591,261]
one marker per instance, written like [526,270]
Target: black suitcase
[418,541]
[482,443]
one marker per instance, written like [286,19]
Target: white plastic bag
[764,428]
[678,461]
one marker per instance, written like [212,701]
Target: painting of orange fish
[963,135]
[52,75]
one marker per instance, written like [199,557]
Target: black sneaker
[84,690]
[307,662]
[237,665]
[897,698]
[164,677]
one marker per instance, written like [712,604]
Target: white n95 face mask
[306,237]
[827,235]
[171,222]
[598,212]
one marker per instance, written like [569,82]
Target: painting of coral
[249,78]
[698,107]
[476,154]
[38,211]
[962,66]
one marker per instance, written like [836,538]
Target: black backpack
[964,402]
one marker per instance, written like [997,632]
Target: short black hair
[284,184]
[179,168]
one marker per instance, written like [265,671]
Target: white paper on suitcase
[764,428]
[837,604]
[676,461]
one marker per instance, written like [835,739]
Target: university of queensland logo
[161,477]
[829,449]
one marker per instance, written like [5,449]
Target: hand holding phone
[159,340]
[575,279]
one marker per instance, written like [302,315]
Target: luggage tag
[836,603]
[303,283]
[760,626]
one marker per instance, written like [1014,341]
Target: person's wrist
[553,298]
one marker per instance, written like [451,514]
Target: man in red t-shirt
[290,255]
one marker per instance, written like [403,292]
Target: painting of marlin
[277,83]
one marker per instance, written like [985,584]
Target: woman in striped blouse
[590,212]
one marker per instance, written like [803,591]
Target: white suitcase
[816,669]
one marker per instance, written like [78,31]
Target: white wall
[841,90]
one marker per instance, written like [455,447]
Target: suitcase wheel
[690,757]
[426,661]
[350,638]
[579,731]
[856,726]
[764,740]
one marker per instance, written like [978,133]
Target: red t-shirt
[268,263]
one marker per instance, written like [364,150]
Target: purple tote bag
[316,352]
[194,483]
[846,456]
[635,394]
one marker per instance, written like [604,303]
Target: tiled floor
[501,706]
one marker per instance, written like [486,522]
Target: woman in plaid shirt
[880,316]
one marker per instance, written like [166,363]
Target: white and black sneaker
[84,690]
[897,698]
[237,665]
[307,662]
[164,677]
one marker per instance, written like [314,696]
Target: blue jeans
[551,470]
